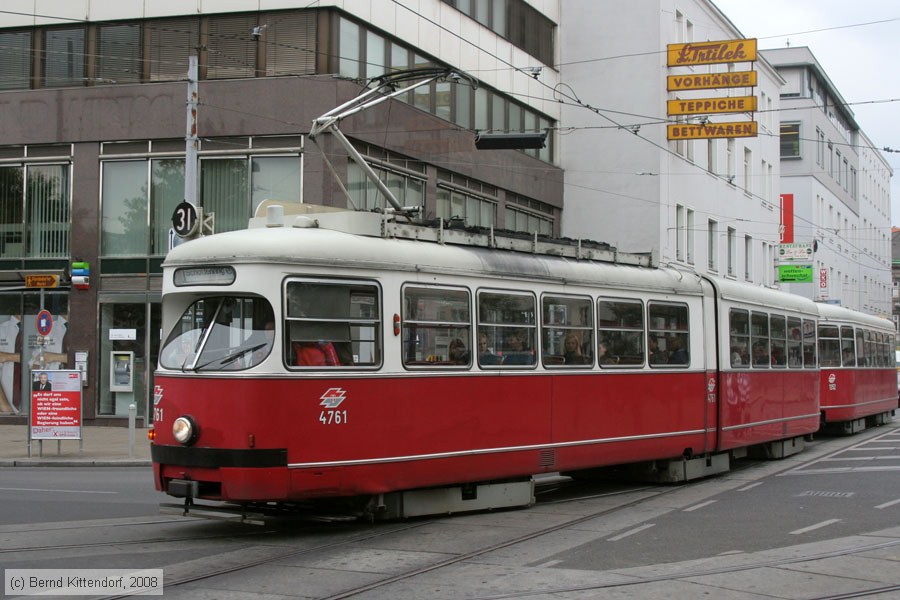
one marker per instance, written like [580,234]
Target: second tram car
[856,357]
[347,357]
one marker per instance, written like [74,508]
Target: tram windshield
[222,333]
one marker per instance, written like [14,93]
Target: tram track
[25,549]
[632,580]
[657,492]
[272,549]
[175,582]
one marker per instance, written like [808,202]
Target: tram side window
[860,348]
[875,356]
[829,346]
[567,331]
[507,322]
[879,344]
[620,328]
[668,334]
[759,339]
[891,356]
[778,332]
[886,350]
[795,342]
[437,327]
[332,324]
[872,350]
[739,337]
[848,351]
[809,344]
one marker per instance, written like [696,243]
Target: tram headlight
[185,430]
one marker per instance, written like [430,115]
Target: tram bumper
[222,474]
[183,488]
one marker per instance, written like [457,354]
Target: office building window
[528,215]
[362,54]
[408,188]
[137,211]
[233,188]
[515,21]
[139,196]
[820,147]
[63,62]
[748,170]
[748,258]
[790,140]
[229,53]
[729,159]
[473,210]
[34,211]
[689,245]
[291,43]
[731,242]
[15,60]
[712,245]
[118,57]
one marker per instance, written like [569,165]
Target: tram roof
[833,312]
[763,297]
[308,243]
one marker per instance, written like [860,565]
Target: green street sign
[795,273]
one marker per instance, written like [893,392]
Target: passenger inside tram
[655,355]
[603,355]
[458,353]
[760,354]
[679,355]
[315,354]
[517,352]
[485,354]
[572,354]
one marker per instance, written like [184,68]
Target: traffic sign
[41,281]
[184,219]
[44,323]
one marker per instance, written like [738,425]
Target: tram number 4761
[333,417]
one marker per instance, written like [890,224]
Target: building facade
[710,205]
[840,185]
[92,151]
[96,110]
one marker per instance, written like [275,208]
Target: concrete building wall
[624,180]
[92,124]
[841,187]
[433,26]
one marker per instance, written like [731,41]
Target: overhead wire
[569,98]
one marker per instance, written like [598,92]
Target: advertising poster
[55,405]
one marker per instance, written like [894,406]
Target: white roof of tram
[307,242]
[833,313]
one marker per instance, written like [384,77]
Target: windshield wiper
[233,356]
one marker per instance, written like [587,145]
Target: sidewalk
[102,446]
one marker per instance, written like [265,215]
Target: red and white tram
[304,359]
[856,357]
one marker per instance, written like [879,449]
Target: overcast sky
[857,43]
